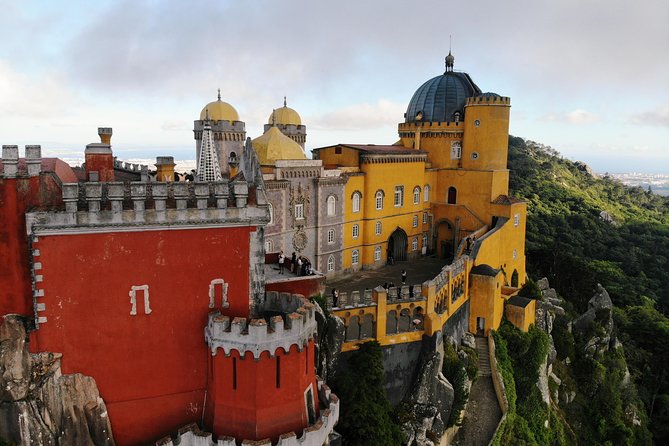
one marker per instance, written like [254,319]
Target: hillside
[583,230]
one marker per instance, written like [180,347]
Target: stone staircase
[484,357]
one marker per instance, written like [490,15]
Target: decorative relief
[133,299]
[300,240]
[299,195]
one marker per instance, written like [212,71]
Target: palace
[156,288]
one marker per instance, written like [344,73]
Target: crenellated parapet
[295,326]
[488,99]
[162,203]
[129,167]
[10,161]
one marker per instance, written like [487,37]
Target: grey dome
[439,98]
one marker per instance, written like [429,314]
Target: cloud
[657,117]
[578,117]
[360,116]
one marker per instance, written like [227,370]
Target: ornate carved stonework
[300,240]
[299,195]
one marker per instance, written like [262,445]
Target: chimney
[99,158]
[34,160]
[165,168]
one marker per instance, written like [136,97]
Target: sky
[589,78]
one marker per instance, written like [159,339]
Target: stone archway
[444,239]
[398,244]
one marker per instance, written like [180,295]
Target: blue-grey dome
[438,99]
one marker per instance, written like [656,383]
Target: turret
[486,137]
[99,157]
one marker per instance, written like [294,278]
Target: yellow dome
[274,145]
[284,116]
[219,111]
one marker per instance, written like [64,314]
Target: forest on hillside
[582,230]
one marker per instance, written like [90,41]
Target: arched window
[377,228]
[424,241]
[331,263]
[416,195]
[356,202]
[414,244]
[356,231]
[377,253]
[355,256]
[331,236]
[452,195]
[269,246]
[426,193]
[399,196]
[271,213]
[379,200]
[332,203]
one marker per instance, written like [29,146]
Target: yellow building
[441,189]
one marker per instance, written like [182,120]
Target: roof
[380,149]
[439,98]
[519,301]
[274,145]
[219,111]
[484,270]
[62,170]
[284,116]
[506,199]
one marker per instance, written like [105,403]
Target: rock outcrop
[331,334]
[39,405]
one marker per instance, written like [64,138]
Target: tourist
[282,259]
[298,266]
[404,277]
[293,260]
[335,297]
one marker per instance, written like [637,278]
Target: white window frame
[355,257]
[416,195]
[299,211]
[424,241]
[415,221]
[379,200]
[378,228]
[414,244]
[355,206]
[424,218]
[331,263]
[331,236]
[516,219]
[377,253]
[398,198]
[355,232]
[331,206]
[426,193]
[269,246]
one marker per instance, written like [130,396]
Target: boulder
[15,365]
[601,299]
[542,284]
[468,340]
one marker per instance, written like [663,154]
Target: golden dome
[219,111]
[284,116]
[274,145]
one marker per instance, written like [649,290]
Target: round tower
[486,139]
[289,122]
[227,131]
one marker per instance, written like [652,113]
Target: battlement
[486,99]
[130,167]
[118,204]
[10,160]
[314,435]
[223,130]
[445,125]
[295,327]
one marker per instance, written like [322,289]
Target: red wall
[151,369]
[307,286]
[257,409]
[17,196]
[102,163]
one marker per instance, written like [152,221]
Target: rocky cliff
[39,405]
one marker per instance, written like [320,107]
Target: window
[516,219]
[356,202]
[414,244]
[452,195]
[299,211]
[271,213]
[331,263]
[424,241]
[379,200]
[415,221]
[377,253]
[424,218]
[456,150]
[355,255]
[515,254]
[337,150]
[356,231]
[330,236]
[269,246]
[416,195]
[399,196]
[426,193]
[331,205]
[377,228]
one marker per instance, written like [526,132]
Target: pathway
[483,413]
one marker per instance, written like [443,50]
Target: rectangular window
[399,196]
[356,231]
[234,373]
[278,372]
[299,211]
[337,150]
[355,255]
[424,218]
[414,244]
[415,221]
[377,253]
[331,236]
[516,219]
[377,228]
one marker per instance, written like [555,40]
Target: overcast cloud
[580,73]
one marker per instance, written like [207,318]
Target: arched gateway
[397,244]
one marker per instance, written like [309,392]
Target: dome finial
[449,59]
[274,112]
[219,94]
[284,101]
